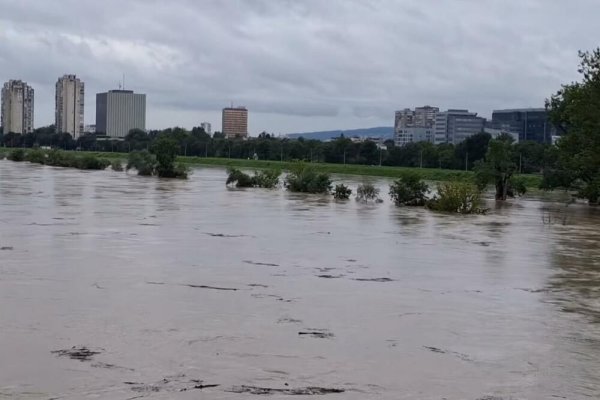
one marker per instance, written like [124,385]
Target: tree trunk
[501,187]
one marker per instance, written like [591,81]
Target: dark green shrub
[268,178]
[116,165]
[341,192]
[181,171]
[457,197]
[16,155]
[142,161]
[366,192]
[35,156]
[409,190]
[239,178]
[263,179]
[304,178]
[89,161]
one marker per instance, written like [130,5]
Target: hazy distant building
[495,133]
[414,125]
[17,107]
[70,94]
[235,122]
[119,111]
[454,126]
[530,123]
[207,127]
[403,136]
[89,128]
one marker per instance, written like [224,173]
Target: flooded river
[114,286]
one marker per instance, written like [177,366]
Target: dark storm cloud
[298,65]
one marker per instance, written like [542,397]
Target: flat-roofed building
[235,122]
[119,111]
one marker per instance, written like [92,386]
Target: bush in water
[341,192]
[366,192]
[17,155]
[458,197]
[142,161]
[409,190]
[305,179]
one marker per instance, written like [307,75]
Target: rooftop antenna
[232,104]
[123,81]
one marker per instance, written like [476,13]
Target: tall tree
[498,167]
[575,110]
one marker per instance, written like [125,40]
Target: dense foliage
[267,147]
[142,161]
[261,179]
[366,192]
[409,190]
[499,168]
[341,192]
[58,158]
[456,197]
[304,178]
[575,109]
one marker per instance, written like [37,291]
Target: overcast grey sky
[298,65]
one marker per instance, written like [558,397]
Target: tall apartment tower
[70,94]
[17,107]
[415,125]
[119,111]
[235,122]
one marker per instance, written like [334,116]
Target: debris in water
[208,287]
[462,356]
[317,333]
[288,321]
[257,285]
[223,235]
[110,366]
[261,263]
[77,353]
[373,279]
[170,384]
[196,286]
[7,248]
[306,391]
[327,276]
[435,349]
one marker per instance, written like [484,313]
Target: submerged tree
[306,179]
[341,192]
[575,110]
[366,192]
[142,161]
[498,168]
[409,190]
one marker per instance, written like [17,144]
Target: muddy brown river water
[114,286]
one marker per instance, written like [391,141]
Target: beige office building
[235,122]
[17,107]
[70,94]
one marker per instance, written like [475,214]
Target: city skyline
[301,67]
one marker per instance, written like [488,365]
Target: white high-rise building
[70,94]
[17,107]
[415,126]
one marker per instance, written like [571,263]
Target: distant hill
[382,131]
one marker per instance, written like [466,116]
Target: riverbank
[430,174]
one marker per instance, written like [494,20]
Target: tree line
[531,157]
